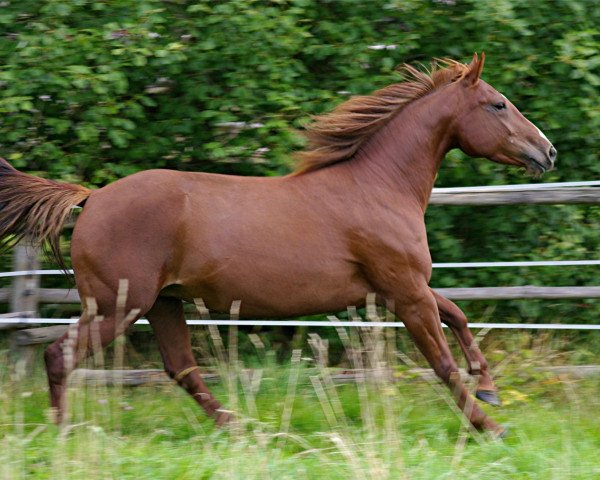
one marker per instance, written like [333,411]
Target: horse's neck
[406,154]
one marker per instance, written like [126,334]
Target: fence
[25,294]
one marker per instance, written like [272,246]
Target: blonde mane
[336,136]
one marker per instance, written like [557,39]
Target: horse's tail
[36,208]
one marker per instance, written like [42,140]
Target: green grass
[385,430]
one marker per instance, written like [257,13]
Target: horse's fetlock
[478,367]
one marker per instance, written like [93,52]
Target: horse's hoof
[500,433]
[223,417]
[488,396]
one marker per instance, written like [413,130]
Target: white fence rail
[540,263]
[315,323]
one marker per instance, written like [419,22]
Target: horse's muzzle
[539,163]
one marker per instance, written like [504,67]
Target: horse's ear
[475,68]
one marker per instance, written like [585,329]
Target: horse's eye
[500,106]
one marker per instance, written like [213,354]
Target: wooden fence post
[24,300]
[24,294]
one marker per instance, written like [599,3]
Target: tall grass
[296,421]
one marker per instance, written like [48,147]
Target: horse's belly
[275,253]
[271,292]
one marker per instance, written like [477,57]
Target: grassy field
[296,423]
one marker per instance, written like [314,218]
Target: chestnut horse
[348,222]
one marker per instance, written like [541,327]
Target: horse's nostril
[552,153]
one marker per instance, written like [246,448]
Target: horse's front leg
[168,323]
[421,317]
[456,320]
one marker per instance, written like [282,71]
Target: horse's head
[489,125]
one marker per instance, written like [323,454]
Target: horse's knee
[181,374]
[445,370]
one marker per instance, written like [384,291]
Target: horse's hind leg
[456,320]
[167,321]
[82,345]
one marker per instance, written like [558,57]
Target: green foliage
[91,91]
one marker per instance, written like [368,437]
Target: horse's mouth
[535,166]
[531,164]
